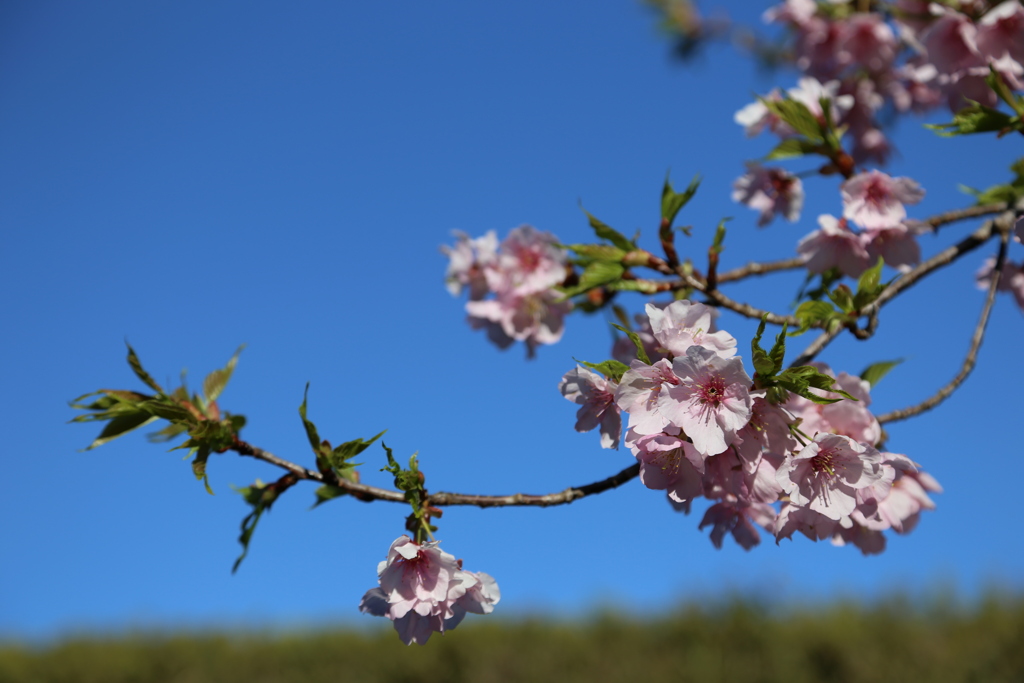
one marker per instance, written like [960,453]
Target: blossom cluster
[873,225]
[511,285]
[699,428]
[913,57]
[424,589]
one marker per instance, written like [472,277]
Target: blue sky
[191,176]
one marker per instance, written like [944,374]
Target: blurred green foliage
[736,642]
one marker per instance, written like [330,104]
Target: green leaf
[606,232]
[812,314]
[596,274]
[672,201]
[215,382]
[136,365]
[119,425]
[328,492]
[791,148]
[842,298]
[311,433]
[199,467]
[597,252]
[797,116]
[977,118]
[869,285]
[612,369]
[874,373]
[802,378]
[778,351]
[351,449]
[764,366]
[641,353]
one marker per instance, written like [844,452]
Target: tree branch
[972,353]
[371,493]
[1002,224]
[755,268]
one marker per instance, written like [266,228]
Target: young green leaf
[874,373]
[672,201]
[612,369]
[136,365]
[606,232]
[641,352]
[215,382]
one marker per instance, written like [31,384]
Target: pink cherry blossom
[534,318]
[874,200]
[596,398]
[1011,280]
[835,245]
[624,350]
[712,400]
[529,262]
[683,324]
[755,117]
[1000,35]
[738,519]
[639,393]
[865,40]
[770,191]
[468,259]
[826,474]
[668,463]
[424,589]
[897,246]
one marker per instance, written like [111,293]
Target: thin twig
[972,354]
[958,215]
[718,299]
[904,282]
[755,268]
[369,493]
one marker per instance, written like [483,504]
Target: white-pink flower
[529,262]
[683,324]
[468,259]
[639,393]
[834,246]
[826,474]
[668,463]
[424,589]
[1011,280]
[770,191]
[712,400]
[534,318]
[874,200]
[596,397]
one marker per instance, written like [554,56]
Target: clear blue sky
[195,175]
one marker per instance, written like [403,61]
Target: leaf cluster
[333,461]
[979,118]
[411,481]
[770,376]
[196,415]
[1010,192]
[845,307]
[815,135]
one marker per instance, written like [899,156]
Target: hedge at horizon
[736,642]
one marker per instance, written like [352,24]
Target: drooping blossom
[711,401]
[424,589]
[769,191]
[596,397]
[835,245]
[738,519]
[683,324]
[897,246]
[825,475]
[875,200]
[866,41]
[1000,38]
[533,318]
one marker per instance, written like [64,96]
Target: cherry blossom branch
[972,353]
[718,299]
[370,493]
[1002,224]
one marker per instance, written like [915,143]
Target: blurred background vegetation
[736,641]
